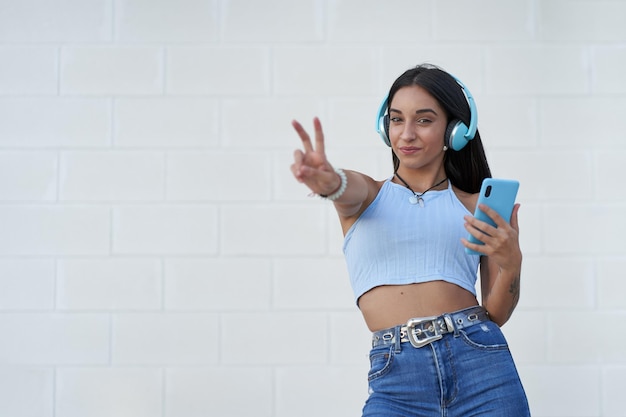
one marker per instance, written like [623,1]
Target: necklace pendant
[417,198]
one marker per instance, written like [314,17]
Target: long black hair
[466,168]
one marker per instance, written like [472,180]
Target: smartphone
[499,194]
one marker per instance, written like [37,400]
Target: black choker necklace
[417,198]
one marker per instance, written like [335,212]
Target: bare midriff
[390,305]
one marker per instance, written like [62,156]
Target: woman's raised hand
[501,243]
[310,165]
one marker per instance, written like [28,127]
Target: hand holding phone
[499,194]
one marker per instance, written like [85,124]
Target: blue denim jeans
[466,373]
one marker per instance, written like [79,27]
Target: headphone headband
[471,130]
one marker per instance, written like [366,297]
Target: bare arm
[501,264]
[311,167]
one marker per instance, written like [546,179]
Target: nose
[408,132]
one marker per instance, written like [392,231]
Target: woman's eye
[423,121]
[396,119]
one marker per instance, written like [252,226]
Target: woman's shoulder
[374,186]
[467,199]
[373,189]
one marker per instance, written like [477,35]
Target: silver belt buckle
[414,334]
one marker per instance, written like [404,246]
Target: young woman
[435,350]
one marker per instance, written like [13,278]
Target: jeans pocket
[380,362]
[484,336]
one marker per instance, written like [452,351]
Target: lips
[409,150]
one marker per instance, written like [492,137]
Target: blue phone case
[499,194]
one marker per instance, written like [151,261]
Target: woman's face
[417,124]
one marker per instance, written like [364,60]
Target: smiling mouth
[410,149]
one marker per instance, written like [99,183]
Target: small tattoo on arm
[514,290]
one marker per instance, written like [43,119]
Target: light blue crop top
[395,242]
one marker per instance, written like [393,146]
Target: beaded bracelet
[342,186]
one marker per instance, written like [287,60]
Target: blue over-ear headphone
[457,133]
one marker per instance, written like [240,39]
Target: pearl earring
[445,148]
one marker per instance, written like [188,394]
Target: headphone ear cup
[454,137]
[382,122]
[447,141]
[383,129]
[386,122]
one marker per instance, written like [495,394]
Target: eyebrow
[420,111]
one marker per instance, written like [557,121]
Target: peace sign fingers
[306,139]
[313,156]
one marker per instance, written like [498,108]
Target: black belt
[424,330]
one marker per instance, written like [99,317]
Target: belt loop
[397,338]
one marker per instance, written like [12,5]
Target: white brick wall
[158,259]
